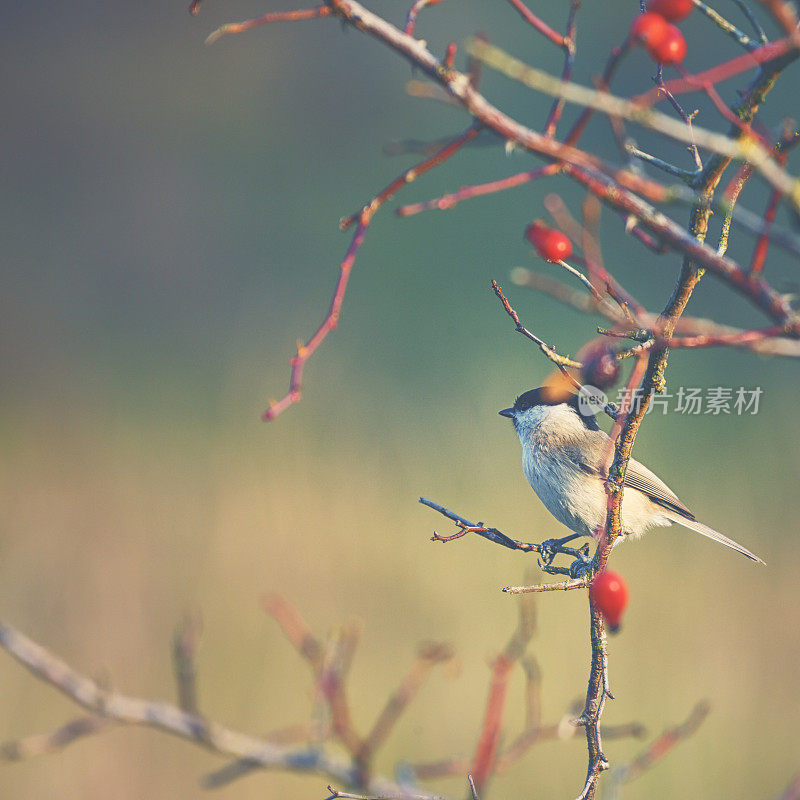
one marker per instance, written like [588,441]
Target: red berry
[600,368]
[609,595]
[550,244]
[671,10]
[669,50]
[649,29]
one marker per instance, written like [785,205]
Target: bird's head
[549,404]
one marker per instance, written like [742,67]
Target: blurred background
[169,226]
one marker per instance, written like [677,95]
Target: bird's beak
[507,412]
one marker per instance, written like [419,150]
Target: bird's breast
[573,497]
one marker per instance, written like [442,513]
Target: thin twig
[774,51]
[559,360]
[637,112]
[551,123]
[429,656]
[578,583]
[169,718]
[413,13]
[44,743]
[335,793]
[465,526]
[659,748]
[727,27]
[751,18]
[543,28]
[364,218]
[184,649]
[267,19]
[447,201]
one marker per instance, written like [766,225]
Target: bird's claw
[580,567]
[549,549]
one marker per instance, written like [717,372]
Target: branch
[447,201]
[364,218]
[413,13]
[168,718]
[659,748]
[486,752]
[184,648]
[492,534]
[543,28]
[267,19]
[691,326]
[565,586]
[614,186]
[44,743]
[738,148]
[560,361]
[551,123]
[429,656]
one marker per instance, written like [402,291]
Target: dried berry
[600,369]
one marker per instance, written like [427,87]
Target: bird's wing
[637,476]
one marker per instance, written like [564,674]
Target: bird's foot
[550,548]
[581,567]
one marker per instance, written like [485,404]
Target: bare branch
[465,526]
[267,19]
[559,360]
[659,748]
[429,656]
[578,583]
[364,218]
[184,648]
[164,716]
[543,28]
[740,149]
[44,743]
[413,13]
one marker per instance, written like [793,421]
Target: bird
[563,450]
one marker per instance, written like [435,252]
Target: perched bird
[563,449]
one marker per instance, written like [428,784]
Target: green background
[169,226]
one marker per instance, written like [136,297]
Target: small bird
[563,449]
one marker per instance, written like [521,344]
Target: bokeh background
[169,227]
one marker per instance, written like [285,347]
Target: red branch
[728,69]
[732,339]
[412,174]
[762,245]
[557,108]
[266,19]
[413,13]
[624,191]
[305,351]
[788,141]
[467,192]
[486,752]
[554,36]
[521,178]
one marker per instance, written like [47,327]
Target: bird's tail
[704,530]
